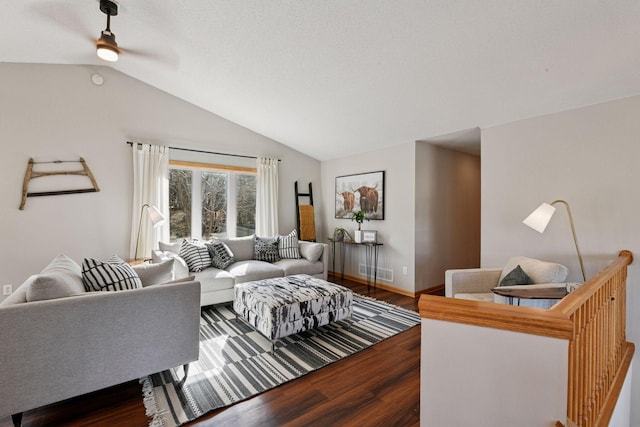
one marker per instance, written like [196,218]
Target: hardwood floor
[379,386]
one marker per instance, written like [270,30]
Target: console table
[371,258]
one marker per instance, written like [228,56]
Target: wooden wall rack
[31,174]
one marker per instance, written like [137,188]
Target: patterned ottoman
[283,306]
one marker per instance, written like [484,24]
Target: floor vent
[383,273]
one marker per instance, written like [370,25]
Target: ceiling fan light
[107,54]
[107,48]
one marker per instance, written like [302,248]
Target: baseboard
[436,290]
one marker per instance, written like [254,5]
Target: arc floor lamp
[539,219]
[157,219]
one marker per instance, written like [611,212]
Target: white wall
[55,112]
[396,231]
[587,156]
[447,214]
[432,211]
[477,376]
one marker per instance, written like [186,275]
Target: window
[207,201]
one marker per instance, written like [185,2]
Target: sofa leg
[185,368]
[17,419]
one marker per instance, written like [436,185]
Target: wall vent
[383,273]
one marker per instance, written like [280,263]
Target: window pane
[180,203]
[214,204]
[245,205]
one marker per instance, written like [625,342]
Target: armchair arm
[470,280]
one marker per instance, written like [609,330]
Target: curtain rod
[206,152]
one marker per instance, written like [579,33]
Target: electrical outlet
[7,289]
[404,271]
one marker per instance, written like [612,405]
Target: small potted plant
[339,234]
[358,217]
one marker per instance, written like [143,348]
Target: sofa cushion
[299,266]
[221,255]
[212,279]
[154,274]
[288,247]
[517,276]
[479,296]
[538,271]
[241,247]
[311,251]
[61,278]
[247,271]
[266,249]
[196,255]
[111,275]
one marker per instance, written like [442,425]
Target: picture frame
[363,191]
[369,236]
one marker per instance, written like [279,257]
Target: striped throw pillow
[195,255]
[288,247]
[221,255]
[266,250]
[111,275]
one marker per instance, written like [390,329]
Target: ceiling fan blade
[168,58]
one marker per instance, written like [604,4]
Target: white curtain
[267,197]
[150,186]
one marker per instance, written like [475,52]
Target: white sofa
[59,341]
[217,285]
[477,283]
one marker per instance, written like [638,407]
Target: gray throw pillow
[153,274]
[61,278]
[221,255]
[266,249]
[517,276]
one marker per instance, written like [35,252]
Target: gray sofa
[58,341]
[217,285]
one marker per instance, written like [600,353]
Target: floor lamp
[539,219]
[157,219]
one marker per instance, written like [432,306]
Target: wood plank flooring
[379,386]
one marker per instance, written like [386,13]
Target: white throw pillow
[170,247]
[310,251]
[538,271]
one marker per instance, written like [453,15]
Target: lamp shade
[156,217]
[539,219]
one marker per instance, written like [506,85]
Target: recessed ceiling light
[97,79]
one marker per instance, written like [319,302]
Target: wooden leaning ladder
[305,216]
[31,174]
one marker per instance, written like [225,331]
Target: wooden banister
[593,321]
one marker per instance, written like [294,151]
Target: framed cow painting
[364,191]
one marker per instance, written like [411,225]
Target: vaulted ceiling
[336,77]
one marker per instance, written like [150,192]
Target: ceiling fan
[106,46]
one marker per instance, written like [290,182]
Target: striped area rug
[236,362]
